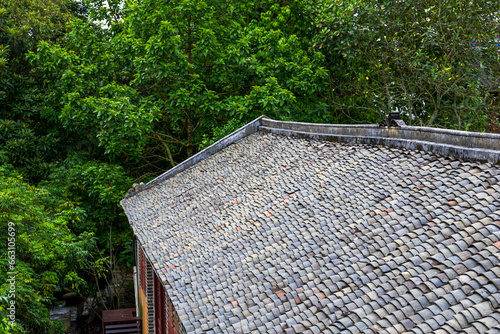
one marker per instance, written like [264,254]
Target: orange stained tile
[164,271]
[321,295]
[383,213]
[239,228]
[431,223]
[268,215]
[390,210]
[280,293]
[172,267]
[297,300]
[497,244]
[452,203]
[286,200]
[235,201]
[234,303]
[292,195]
[255,196]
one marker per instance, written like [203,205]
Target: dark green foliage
[46,251]
[27,139]
[413,56]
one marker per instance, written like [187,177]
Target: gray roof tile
[285,235]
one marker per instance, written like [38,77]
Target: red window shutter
[160,309]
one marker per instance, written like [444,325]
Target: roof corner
[242,132]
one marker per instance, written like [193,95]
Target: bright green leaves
[63,108]
[44,247]
[177,48]
[55,246]
[283,75]
[115,116]
[272,99]
[91,101]
[170,73]
[6,326]
[107,13]
[202,62]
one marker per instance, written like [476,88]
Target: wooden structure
[121,321]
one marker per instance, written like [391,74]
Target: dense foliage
[97,95]
[149,87]
[435,61]
[47,253]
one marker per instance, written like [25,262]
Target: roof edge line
[447,149]
[363,128]
[231,138]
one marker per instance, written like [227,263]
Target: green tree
[27,140]
[413,56]
[160,77]
[46,251]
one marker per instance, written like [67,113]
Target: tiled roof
[276,234]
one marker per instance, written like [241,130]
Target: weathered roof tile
[286,235]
